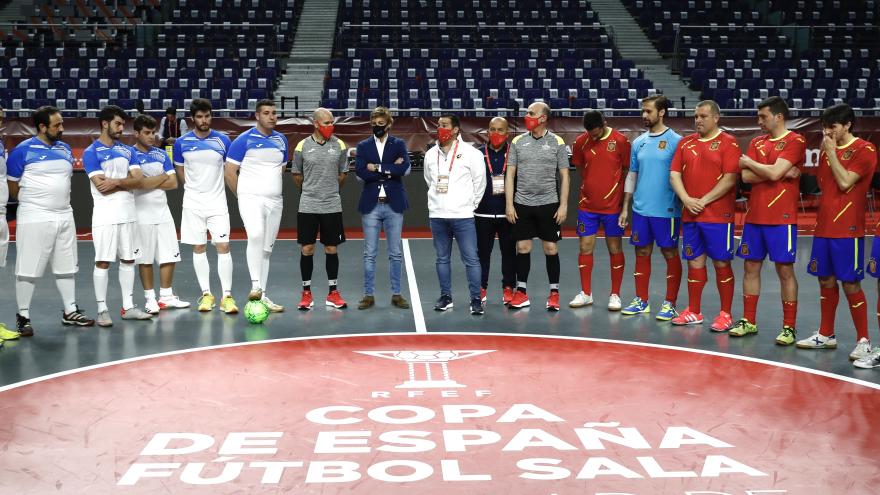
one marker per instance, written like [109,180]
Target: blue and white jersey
[202,161]
[113,162]
[152,204]
[261,159]
[4,187]
[43,172]
[650,157]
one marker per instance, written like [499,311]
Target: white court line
[415,300]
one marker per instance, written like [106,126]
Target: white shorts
[261,217]
[119,241]
[37,244]
[4,240]
[158,244]
[195,225]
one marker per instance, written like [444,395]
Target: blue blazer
[389,174]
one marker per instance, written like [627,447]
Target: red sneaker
[483,295]
[507,296]
[688,317]
[520,300]
[553,301]
[722,322]
[306,302]
[335,299]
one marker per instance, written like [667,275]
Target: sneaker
[23,325]
[688,317]
[227,305]
[635,307]
[77,318]
[151,306]
[334,298]
[723,322]
[367,302]
[477,307]
[483,294]
[206,302]
[443,303]
[134,313]
[863,348]
[614,303]
[7,334]
[273,308]
[255,294]
[103,319]
[398,301]
[667,311]
[581,300]
[172,302]
[553,301]
[520,300]
[870,361]
[507,295]
[306,301]
[742,328]
[786,336]
[818,341]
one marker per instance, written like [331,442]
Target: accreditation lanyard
[497,180]
[443,180]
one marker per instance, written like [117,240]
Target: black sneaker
[24,326]
[444,303]
[477,307]
[76,318]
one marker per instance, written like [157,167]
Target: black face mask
[379,130]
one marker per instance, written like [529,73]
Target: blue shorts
[778,241]
[874,259]
[842,258]
[588,224]
[712,239]
[647,230]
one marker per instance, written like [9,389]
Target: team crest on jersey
[612,145]
[714,146]
[872,265]
[744,249]
[814,265]
[661,145]
[780,145]
[635,236]
[847,155]
[688,251]
[581,228]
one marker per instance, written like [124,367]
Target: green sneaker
[742,328]
[7,334]
[786,336]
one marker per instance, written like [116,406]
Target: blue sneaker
[667,311]
[636,306]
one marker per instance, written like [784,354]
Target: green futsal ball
[256,312]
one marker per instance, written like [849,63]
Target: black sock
[553,270]
[523,265]
[332,263]
[306,265]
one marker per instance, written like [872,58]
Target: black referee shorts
[328,224]
[536,221]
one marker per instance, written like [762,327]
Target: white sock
[255,262]
[150,295]
[67,287]
[166,292]
[24,292]
[126,284]
[264,276]
[203,271]
[100,278]
[224,269]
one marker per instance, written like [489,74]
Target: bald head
[498,124]
[538,109]
[322,115]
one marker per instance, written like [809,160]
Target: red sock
[585,265]
[642,276]
[750,308]
[696,280]
[789,313]
[673,278]
[724,281]
[618,262]
[858,308]
[828,305]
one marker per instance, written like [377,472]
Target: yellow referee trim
[611,191]
[843,210]
[776,198]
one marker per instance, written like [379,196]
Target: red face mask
[532,122]
[497,139]
[326,130]
[443,134]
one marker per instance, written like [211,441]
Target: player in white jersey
[38,172]
[199,157]
[254,164]
[156,229]
[5,333]
[114,177]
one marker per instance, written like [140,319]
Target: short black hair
[144,121]
[110,112]
[265,102]
[776,105]
[593,119]
[199,105]
[43,115]
[452,118]
[838,114]
[171,111]
[661,102]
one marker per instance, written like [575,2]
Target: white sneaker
[863,348]
[614,303]
[818,341]
[273,308]
[870,361]
[151,307]
[581,300]
[172,302]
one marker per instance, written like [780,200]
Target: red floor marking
[404,414]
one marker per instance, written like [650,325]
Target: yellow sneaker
[227,305]
[206,302]
[7,334]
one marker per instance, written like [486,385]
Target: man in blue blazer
[381,163]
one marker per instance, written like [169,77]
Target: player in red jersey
[602,156]
[772,165]
[846,166]
[703,174]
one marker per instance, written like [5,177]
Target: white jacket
[467,181]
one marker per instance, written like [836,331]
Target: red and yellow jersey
[842,213]
[702,163]
[603,165]
[775,202]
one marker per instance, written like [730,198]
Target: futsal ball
[256,311]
